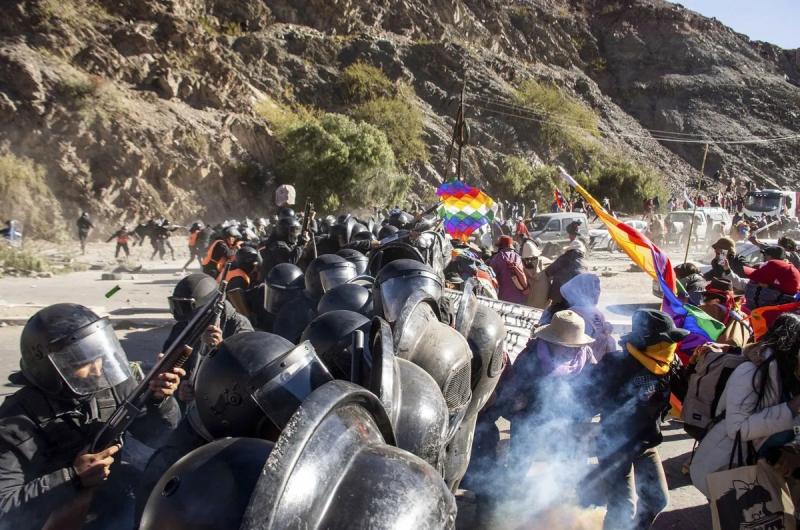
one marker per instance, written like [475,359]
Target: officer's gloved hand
[91,469]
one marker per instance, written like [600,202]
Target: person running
[84,228]
[122,235]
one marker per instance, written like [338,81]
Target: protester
[564,268]
[630,390]
[760,402]
[122,235]
[544,374]
[507,266]
[538,281]
[582,294]
[693,282]
[777,273]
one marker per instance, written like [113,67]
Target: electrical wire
[515,106]
[655,137]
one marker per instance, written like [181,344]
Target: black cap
[774,252]
[650,326]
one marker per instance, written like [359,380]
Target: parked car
[600,239]
[549,231]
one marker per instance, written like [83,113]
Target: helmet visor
[182,308]
[330,278]
[90,359]
[280,387]
[396,291]
[275,297]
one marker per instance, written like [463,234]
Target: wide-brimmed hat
[566,329]
[650,326]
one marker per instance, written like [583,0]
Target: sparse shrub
[626,183]
[25,196]
[12,258]
[78,88]
[401,122]
[363,82]
[339,163]
[566,125]
[522,182]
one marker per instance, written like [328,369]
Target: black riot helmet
[254,382]
[191,292]
[326,272]
[68,351]
[284,282]
[349,296]
[288,230]
[226,470]
[286,213]
[329,485]
[387,230]
[356,258]
[343,230]
[326,224]
[233,232]
[331,335]
[401,220]
[360,233]
[397,281]
[248,259]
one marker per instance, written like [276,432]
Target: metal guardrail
[519,320]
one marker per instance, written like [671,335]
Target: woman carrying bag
[757,409]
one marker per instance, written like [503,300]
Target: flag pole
[694,211]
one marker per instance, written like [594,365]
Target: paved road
[139,313]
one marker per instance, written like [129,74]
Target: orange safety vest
[193,238]
[236,273]
[222,261]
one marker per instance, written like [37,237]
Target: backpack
[707,379]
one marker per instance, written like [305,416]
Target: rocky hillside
[135,108]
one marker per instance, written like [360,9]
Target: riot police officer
[74,374]
[221,250]
[286,245]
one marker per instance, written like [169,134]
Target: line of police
[338,391]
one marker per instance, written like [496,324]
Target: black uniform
[84,225]
[40,436]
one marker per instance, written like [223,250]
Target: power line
[516,106]
[656,137]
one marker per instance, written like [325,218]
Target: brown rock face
[148,107]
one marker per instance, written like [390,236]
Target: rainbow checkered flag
[464,208]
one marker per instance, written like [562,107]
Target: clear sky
[774,21]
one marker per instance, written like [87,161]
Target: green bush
[566,125]
[521,182]
[339,163]
[25,196]
[363,82]
[400,121]
[626,183]
[11,258]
